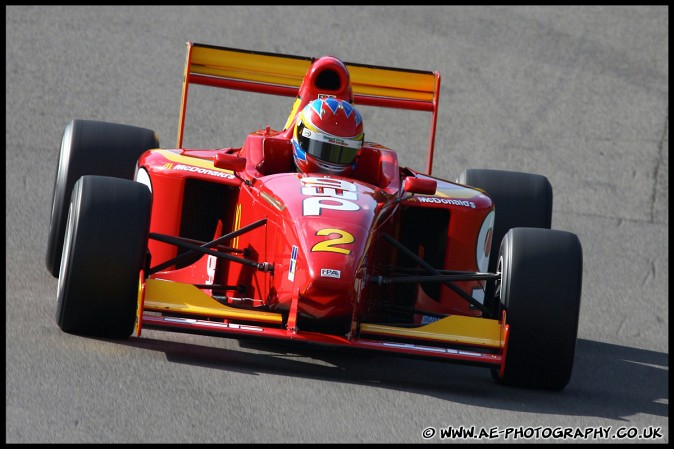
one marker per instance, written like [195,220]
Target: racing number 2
[329,245]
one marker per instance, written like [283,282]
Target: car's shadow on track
[625,381]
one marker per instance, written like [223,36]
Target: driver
[326,138]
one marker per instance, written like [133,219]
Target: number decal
[328,245]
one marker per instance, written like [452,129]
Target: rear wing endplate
[281,74]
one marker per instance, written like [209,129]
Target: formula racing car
[236,242]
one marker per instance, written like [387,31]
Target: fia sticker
[428,319]
[330,273]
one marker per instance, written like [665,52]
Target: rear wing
[280,74]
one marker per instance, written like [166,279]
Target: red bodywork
[317,249]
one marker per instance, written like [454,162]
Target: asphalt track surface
[579,94]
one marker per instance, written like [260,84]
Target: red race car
[308,235]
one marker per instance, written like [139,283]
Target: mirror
[425,186]
[229,161]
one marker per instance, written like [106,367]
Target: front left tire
[105,248]
[540,290]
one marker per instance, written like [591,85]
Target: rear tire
[104,251]
[540,290]
[91,148]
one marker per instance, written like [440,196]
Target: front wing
[185,308]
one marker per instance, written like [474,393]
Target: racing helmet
[327,135]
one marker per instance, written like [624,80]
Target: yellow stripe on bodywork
[169,296]
[462,194]
[452,329]
[451,190]
[193,161]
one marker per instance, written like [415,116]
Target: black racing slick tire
[540,290]
[105,248]
[520,200]
[91,148]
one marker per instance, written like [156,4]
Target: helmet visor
[336,150]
